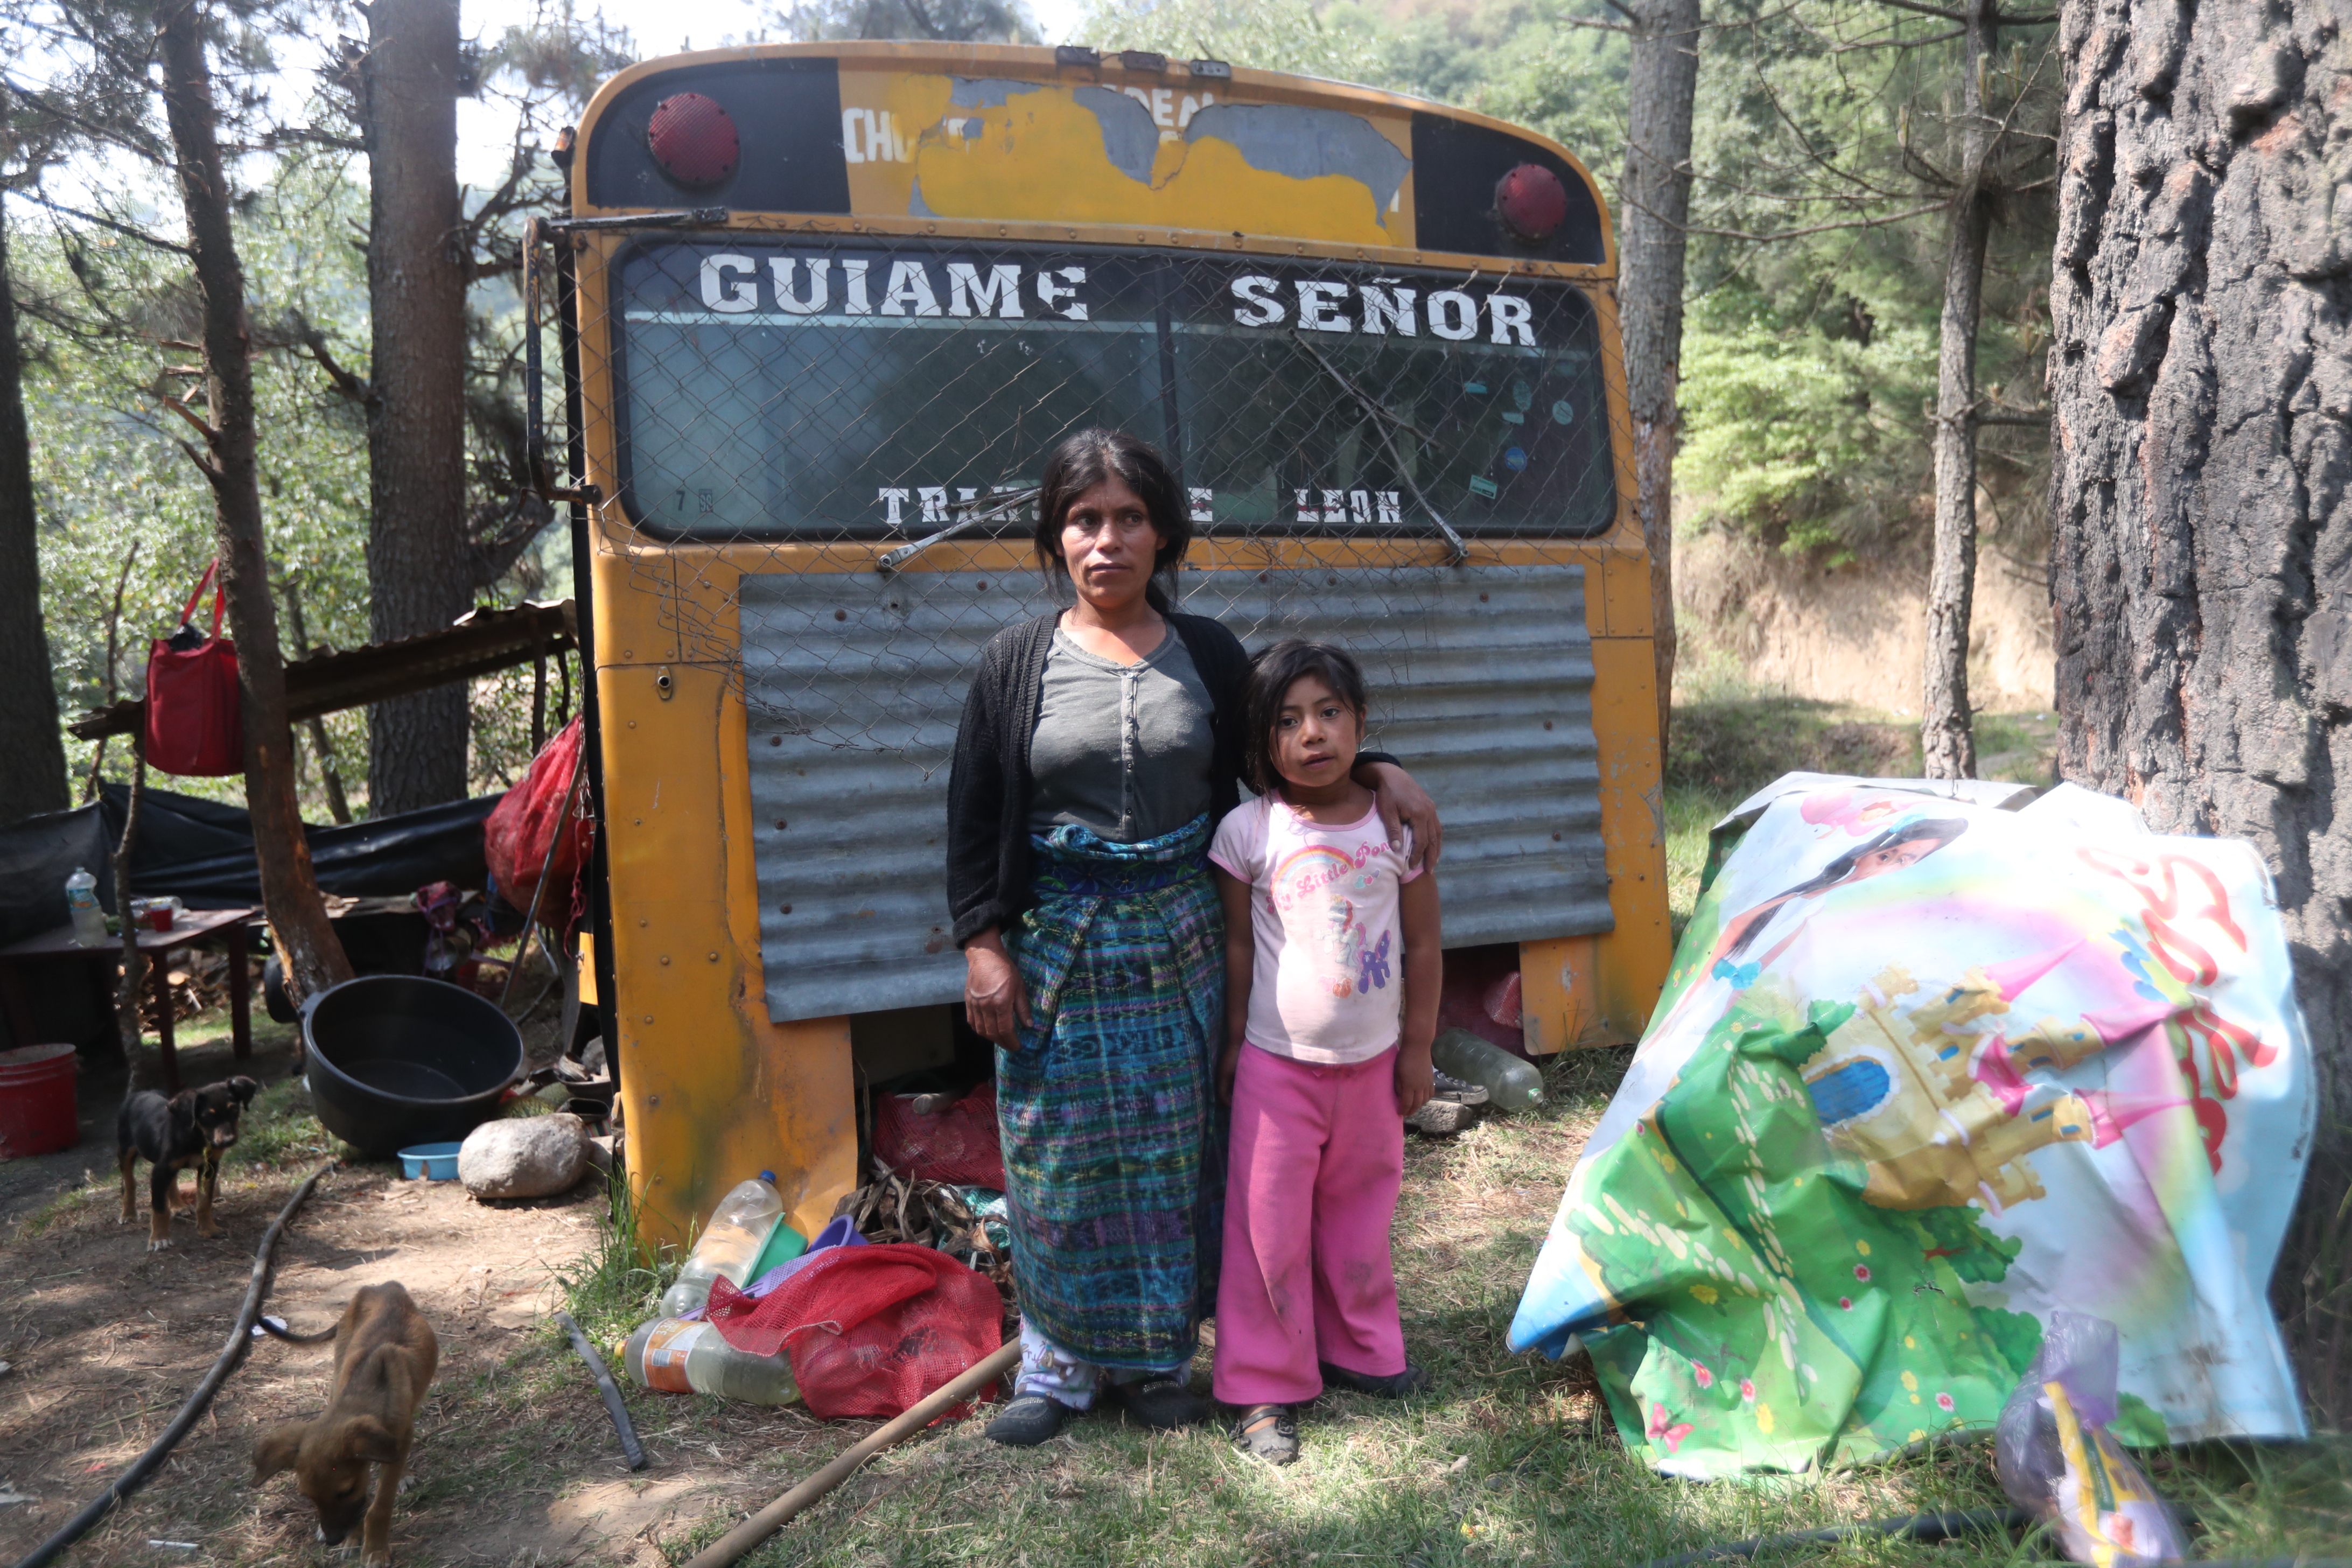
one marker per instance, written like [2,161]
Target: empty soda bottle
[81,903]
[680,1357]
[1510,1083]
[729,1244]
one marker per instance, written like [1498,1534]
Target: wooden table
[52,948]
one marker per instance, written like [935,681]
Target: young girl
[1332,980]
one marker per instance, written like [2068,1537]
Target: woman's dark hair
[1086,461]
[1271,675]
[1941,829]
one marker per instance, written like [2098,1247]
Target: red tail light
[693,139]
[1531,200]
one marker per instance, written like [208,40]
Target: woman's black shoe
[1027,1421]
[1396,1385]
[1161,1401]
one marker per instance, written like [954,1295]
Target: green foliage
[109,322]
[952,21]
[1259,35]
[1808,439]
[1823,140]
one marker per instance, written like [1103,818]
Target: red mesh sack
[526,821]
[195,712]
[872,1331]
[956,1145]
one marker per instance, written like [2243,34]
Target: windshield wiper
[1010,501]
[1382,420]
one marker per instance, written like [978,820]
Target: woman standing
[1098,750]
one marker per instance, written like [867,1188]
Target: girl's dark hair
[1941,829]
[1086,461]
[1271,675]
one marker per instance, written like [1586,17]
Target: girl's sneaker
[1458,1091]
[1268,1431]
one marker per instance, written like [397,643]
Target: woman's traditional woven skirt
[1114,1165]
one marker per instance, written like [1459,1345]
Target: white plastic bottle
[729,1244]
[692,1358]
[81,902]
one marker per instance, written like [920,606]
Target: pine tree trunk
[419,573]
[32,749]
[1948,743]
[1651,240]
[289,892]
[2201,498]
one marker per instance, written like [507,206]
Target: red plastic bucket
[36,1101]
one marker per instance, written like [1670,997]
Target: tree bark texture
[2201,497]
[313,955]
[134,962]
[32,747]
[419,572]
[1651,240]
[1947,744]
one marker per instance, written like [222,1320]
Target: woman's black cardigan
[990,786]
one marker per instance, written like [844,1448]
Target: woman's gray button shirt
[1125,751]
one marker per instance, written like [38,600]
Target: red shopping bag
[195,714]
[542,822]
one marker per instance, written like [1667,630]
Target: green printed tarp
[1927,1069]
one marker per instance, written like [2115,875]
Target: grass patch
[280,1130]
[1508,1459]
[612,1288]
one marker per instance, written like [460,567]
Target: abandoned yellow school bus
[826,310]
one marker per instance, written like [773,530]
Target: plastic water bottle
[729,1244]
[81,902]
[1511,1084]
[693,1358]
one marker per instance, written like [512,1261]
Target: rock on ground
[524,1157]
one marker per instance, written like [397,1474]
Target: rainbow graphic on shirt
[1311,891]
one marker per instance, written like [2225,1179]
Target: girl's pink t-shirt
[1328,983]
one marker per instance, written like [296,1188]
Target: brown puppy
[384,1355]
[195,1127]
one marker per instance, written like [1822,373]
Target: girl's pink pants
[1318,1157]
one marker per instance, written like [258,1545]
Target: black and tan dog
[384,1355]
[195,1127]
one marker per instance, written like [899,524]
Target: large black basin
[396,1059]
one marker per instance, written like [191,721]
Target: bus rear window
[792,392]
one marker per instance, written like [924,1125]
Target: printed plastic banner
[1925,1071]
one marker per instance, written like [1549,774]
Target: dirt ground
[515,1460]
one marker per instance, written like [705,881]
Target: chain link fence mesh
[819,405]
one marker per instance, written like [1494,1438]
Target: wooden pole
[747,1536]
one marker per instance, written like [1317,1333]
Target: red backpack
[196,713]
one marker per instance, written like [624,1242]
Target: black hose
[1924,1527]
[630,1447]
[240,1339]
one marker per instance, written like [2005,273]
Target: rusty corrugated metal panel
[1481,678]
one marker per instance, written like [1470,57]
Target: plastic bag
[958,1145]
[872,1331]
[524,828]
[2057,1461]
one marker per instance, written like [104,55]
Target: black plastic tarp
[201,851]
